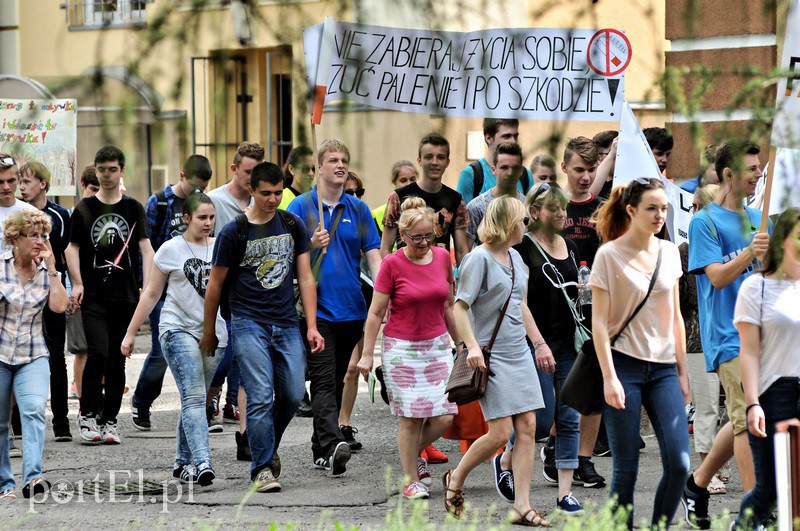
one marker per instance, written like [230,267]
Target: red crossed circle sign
[609,52]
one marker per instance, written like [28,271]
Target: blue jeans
[151,379]
[273,371]
[193,372]
[545,416]
[567,419]
[30,383]
[781,401]
[228,368]
[654,386]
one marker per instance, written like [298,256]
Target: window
[84,14]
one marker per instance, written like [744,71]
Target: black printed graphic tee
[581,230]
[108,237]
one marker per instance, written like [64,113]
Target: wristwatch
[54,274]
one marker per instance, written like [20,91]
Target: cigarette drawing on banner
[43,131]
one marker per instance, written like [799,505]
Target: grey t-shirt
[477,209]
[226,208]
[188,267]
[483,285]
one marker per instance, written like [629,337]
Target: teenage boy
[348,231]
[725,243]
[452,218]
[34,185]
[230,200]
[261,252]
[477,177]
[164,211]
[9,178]
[507,168]
[108,238]
[580,164]
[76,338]
[661,144]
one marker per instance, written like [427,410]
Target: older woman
[487,276]
[28,281]
[418,280]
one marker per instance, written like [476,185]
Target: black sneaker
[348,432]
[141,416]
[62,433]
[205,474]
[243,447]
[695,508]
[184,473]
[503,480]
[304,409]
[336,462]
[379,376]
[586,475]
[548,455]
[601,448]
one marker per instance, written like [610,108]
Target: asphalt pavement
[142,465]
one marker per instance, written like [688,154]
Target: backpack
[238,256]
[161,215]
[477,179]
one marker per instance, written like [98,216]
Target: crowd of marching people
[570,303]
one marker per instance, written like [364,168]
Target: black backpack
[238,256]
[477,179]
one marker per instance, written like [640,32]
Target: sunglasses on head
[542,189]
[358,192]
[7,161]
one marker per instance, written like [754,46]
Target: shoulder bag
[583,388]
[467,384]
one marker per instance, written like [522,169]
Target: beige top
[649,336]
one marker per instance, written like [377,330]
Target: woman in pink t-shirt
[418,280]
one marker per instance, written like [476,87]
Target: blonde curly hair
[25,222]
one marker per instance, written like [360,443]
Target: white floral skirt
[416,375]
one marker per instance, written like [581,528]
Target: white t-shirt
[649,336]
[5,212]
[777,313]
[226,208]
[188,267]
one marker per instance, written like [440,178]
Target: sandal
[716,486]
[455,504]
[537,520]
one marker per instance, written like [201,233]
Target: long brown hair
[612,219]
[786,223]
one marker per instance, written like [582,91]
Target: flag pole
[768,191]
[316,162]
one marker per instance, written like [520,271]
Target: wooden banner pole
[317,165]
[768,191]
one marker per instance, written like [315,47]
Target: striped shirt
[21,337]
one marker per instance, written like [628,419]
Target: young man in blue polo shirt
[724,241]
[348,231]
[495,132]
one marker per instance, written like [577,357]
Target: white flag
[786,126]
[635,159]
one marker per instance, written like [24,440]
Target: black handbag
[583,388]
[467,384]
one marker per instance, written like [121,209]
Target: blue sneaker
[569,505]
[503,480]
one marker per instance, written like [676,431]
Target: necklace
[205,243]
[550,245]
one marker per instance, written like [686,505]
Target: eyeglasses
[358,192]
[307,169]
[35,236]
[644,181]
[418,239]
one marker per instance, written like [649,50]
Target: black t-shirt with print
[177,225]
[545,299]
[108,237]
[581,230]
[451,211]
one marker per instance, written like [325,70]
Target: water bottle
[584,292]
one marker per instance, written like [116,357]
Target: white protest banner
[785,184]
[786,126]
[43,131]
[533,74]
[635,159]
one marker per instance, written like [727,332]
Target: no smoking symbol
[609,52]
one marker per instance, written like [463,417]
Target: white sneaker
[87,429]
[109,433]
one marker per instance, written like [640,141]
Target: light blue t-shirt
[466,181]
[717,236]
[339,295]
